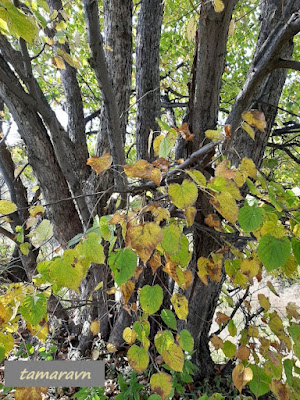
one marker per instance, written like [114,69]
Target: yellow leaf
[159,213]
[190,214]
[155,262]
[129,335]
[6,341]
[7,207]
[182,278]
[30,393]
[240,178]
[247,128]
[156,144]
[184,195]
[144,239]
[255,118]
[218,5]
[100,164]
[231,28]
[72,61]
[138,358]
[111,348]
[5,313]
[36,210]
[191,29]
[107,47]
[145,170]
[249,268]
[180,304]
[58,62]
[226,205]
[161,384]
[197,177]
[95,327]
[173,357]
[247,165]
[126,289]
[111,290]
[214,136]
[241,376]
[274,228]
[41,330]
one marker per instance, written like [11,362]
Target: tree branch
[288,64]
[98,63]
[8,234]
[285,149]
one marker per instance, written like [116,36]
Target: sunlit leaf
[214,136]
[247,128]
[225,204]
[156,144]
[161,384]
[6,342]
[127,289]
[247,165]
[58,62]
[91,249]
[191,29]
[36,210]
[163,340]
[138,358]
[100,164]
[143,169]
[218,5]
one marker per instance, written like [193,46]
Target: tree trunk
[147,74]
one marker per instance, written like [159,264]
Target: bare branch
[285,149]
[288,64]
[8,234]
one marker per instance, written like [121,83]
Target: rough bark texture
[147,73]
[208,69]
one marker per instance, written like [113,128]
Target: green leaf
[288,369]
[259,385]
[250,218]
[141,326]
[295,334]
[163,340]
[123,264]
[186,341]
[151,298]
[273,252]
[229,349]
[92,249]
[138,358]
[34,308]
[171,238]
[169,319]
[184,195]
[183,256]
[231,328]
[296,249]
[197,177]
[41,233]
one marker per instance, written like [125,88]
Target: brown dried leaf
[126,289]
[100,164]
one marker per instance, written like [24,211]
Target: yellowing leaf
[36,210]
[156,144]
[161,384]
[58,62]
[159,213]
[214,136]
[247,128]
[264,301]
[249,268]
[248,166]
[240,178]
[222,169]
[30,393]
[218,5]
[72,61]
[95,327]
[255,118]
[180,304]
[24,247]
[231,28]
[184,195]
[129,335]
[226,205]
[213,221]
[126,289]
[5,313]
[100,164]
[138,358]
[7,207]
[173,357]
[280,390]
[143,169]
[41,330]
[155,262]
[7,342]
[197,177]
[144,239]
[241,376]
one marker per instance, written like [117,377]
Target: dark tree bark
[147,74]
